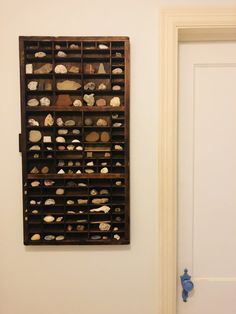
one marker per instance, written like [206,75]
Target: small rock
[93,192]
[101,102]
[50,201]
[103,46]
[99,201]
[44,69]
[117,71]
[69,228]
[63,101]
[45,170]
[92,137]
[78,171]
[70,123]
[49,182]
[96,237]
[118,164]
[79,148]
[60,238]
[68,85]
[32,202]
[118,55]
[61,171]
[33,85]
[107,155]
[89,99]
[70,202]
[117,124]
[105,137]
[45,101]
[116,87]
[102,86]
[89,171]
[118,147]
[76,131]
[40,54]
[70,163]
[104,170]
[49,218]
[118,183]
[33,102]
[104,192]
[75,141]
[71,184]
[88,121]
[72,212]
[101,122]
[29,68]
[77,103]
[60,69]
[35,136]
[104,164]
[35,211]
[82,185]
[60,122]
[57,47]
[103,226]
[49,120]
[49,237]
[62,131]
[90,163]
[116,236]
[89,69]
[60,139]
[80,227]
[115,102]
[90,86]
[115,116]
[101,69]
[70,147]
[47,139]
[35,183]
[77,163]
[33,122]
[74,46]
[61,54]
[35,237]
[73,69]
[59,219]
[82,202]
[103,208]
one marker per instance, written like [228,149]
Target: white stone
[49,218]
[50,201]
[40,54]
[32,202]
[102,46]
[90,163]
[103,208]
[33,122]
[33,102]
[35,136]
[49,237]
[60,68]
[61,171]
[75,141]
[117,71]
[60,191]
[70,202]
[70,147]
[33,85]
[48,182]
[47,139]
[117,124]
[62,131]
[61,54]
[60,122]
[60,238]
[35,147]
[35,183]
[45,101]
[77,103]
[29,68]
[117,237]
[78,171]
[104,170]
[79,148]
[60,139]
[115,102]
[118,147]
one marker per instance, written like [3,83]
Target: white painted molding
[186,24]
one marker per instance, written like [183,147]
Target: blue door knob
[187,285]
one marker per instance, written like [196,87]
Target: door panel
[207,176]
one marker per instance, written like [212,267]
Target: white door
[207,176]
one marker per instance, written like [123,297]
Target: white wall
[61,280]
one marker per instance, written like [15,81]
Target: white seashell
[77,103]
[116,236]
[75,141]
[32,202]
[60,68]
[89,99]
[40,54]
[104,170]
[33,102]
[61,54]
[117,71]
[79,148]
[78,171]
[49,219]
[33,122]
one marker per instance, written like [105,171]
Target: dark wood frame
[23,137]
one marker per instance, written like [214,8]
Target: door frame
[182,24]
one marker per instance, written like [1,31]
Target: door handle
[187,285]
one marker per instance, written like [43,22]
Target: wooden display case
[75,140]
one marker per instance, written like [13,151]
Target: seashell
[45,170]
[33,102]
[115,102]
[101,102]
[70,147]
[34,170]
[117,124]
[89,171]
[49,219]
[79,148]
[35,211]
[96,237]
[70,202]
[88,121]
[93,192]
[90,163]
[32,202]
[73,69]
[116,87]
[104,170]
[59,219]
[117,71]
[60,69]
[61,54]
[40,54]
[82,202]
[48,182]
[33,122]
[89,99]
[35,237]
[103,208]
[60,191]
[77,103]
[70,123]
[116,236]
[118,183]
[101,69]
[76,131]
[78,171]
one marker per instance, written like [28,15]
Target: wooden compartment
[75,140]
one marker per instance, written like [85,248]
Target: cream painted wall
[84,280]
